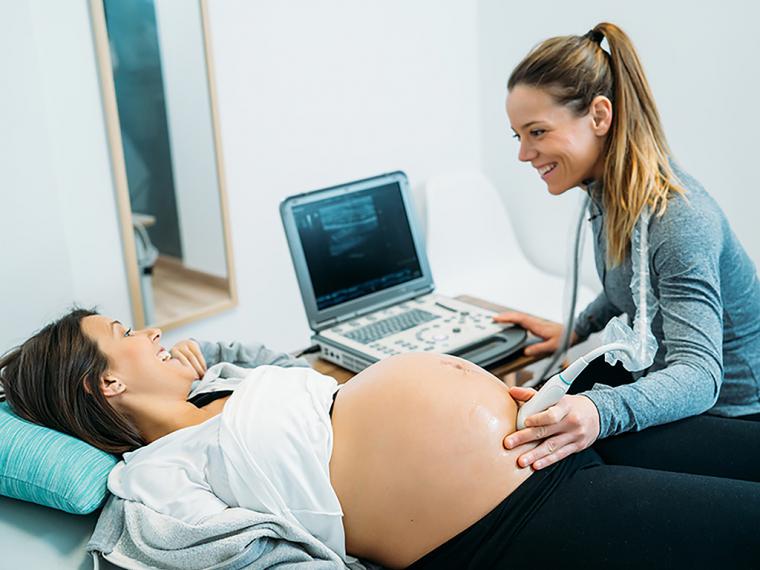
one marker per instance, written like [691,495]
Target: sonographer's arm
[685,252]
[688,385]
[595,317]
[686,264]
[247,355]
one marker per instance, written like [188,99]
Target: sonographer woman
[585,117]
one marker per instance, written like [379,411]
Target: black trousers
[581,513]
[681,495]
[702,445]
[615,516]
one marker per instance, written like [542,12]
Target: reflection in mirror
[166,143]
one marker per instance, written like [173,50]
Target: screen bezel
[320,319]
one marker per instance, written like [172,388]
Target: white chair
[473,249]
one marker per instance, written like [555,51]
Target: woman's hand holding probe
[550,331]
[569,426]
[189,353]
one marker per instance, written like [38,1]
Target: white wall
[701,61]
[59,236]
[312,94]
[316,93]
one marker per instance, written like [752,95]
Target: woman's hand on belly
[569,426]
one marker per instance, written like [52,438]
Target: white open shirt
[268,451]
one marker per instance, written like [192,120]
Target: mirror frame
[118,168]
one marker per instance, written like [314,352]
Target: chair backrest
[473,248]
[464,208]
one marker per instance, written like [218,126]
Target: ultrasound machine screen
[357,244]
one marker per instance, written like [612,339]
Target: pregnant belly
[418,454]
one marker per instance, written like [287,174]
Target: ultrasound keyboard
[428,323]
[392,325]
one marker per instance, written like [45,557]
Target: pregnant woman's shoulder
[168,476]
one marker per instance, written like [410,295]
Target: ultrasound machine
[366,283]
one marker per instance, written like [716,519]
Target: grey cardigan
[707,326]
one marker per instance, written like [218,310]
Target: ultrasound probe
[556,387]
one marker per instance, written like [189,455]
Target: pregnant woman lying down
[403,465]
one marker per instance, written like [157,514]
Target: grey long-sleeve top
[707,326]
[244,355]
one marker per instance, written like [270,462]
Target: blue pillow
[50,468]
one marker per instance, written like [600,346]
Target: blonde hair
[637,173]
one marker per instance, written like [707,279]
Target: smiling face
[563,147]
[137,363]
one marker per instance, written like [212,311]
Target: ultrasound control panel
[430,324]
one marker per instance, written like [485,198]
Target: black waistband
[487,542]
[335,397]
[207,397]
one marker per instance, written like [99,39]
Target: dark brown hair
[637,172]
[53,379]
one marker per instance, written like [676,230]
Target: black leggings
[702,445]
[594,515]
[610,516]
[581,513]
[681,495]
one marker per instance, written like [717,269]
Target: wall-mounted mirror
[159,100]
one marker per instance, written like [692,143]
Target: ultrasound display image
[357,244]
[349,226]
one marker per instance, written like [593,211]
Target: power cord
[565,341]
[310,350]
